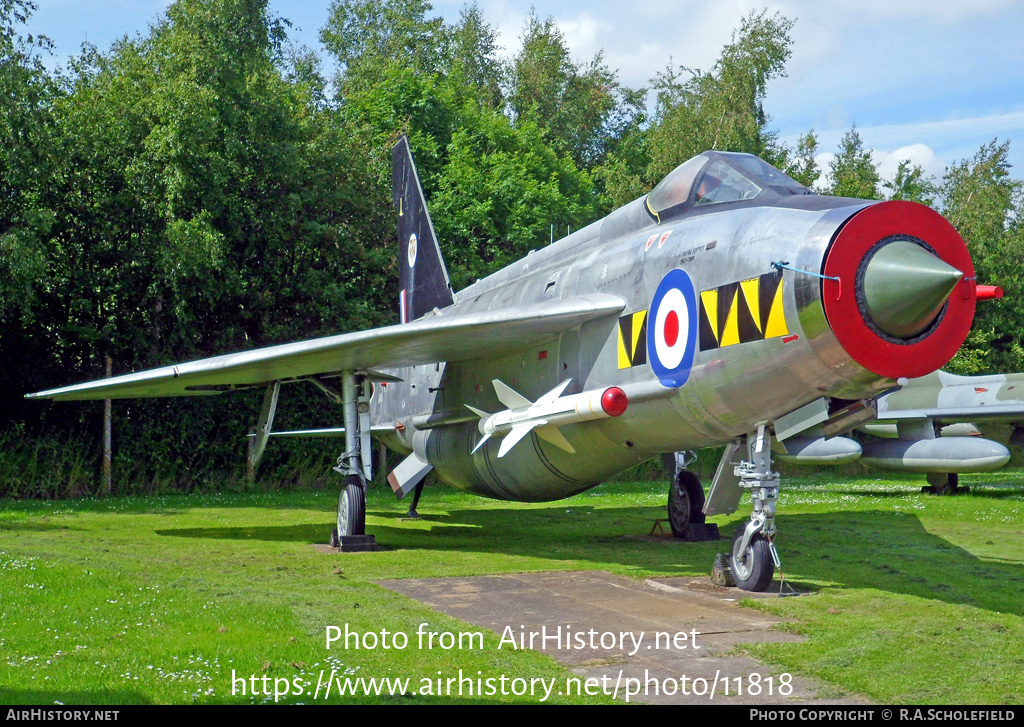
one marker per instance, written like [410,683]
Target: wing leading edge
[445,336]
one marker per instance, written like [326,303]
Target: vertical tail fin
[422,277]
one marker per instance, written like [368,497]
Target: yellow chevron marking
[731,332]
[624,362]
[750,294]
[709,299]
[776,325]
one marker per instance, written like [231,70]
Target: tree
[804,168]
[571,103]
[363,35]
[852,170]
[500,191]
[986,206]
[204,200]
[26,154]
[722,108]
[471,58]
[911,184]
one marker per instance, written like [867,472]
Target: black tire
[942,483]
[352,508]
[685,504]
[754,570]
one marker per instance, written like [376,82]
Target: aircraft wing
[947,398]
[445,335]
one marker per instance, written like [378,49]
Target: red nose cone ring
[614,401]
[878,353]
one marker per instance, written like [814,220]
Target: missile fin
[481,443]
[479,412]
[552,435]
[509,397]
[513,437]
[554,393]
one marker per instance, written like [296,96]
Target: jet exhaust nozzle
[904,288]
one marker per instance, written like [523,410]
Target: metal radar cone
[905,287]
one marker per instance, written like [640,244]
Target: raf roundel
[672,329]
[412,250]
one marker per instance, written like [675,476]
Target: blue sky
[928,80]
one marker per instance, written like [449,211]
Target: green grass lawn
[917,599]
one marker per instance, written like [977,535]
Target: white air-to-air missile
[729,306]
[546,414]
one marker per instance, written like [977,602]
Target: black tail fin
[422,277]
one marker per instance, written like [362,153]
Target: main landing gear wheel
[686,509]
[751,570]
[685,504]
[352,508]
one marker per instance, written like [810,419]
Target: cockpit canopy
[717,177]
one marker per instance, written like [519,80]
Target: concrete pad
[325,549]
[595,621]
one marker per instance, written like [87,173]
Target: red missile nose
[614,401]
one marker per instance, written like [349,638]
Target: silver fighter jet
[730,305]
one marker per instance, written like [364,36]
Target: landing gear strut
[350,533]
[944,483]
[412,514]
[753,558]
[686,503]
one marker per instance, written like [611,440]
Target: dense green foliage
[205,187]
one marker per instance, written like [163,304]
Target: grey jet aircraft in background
[730,305]
[936,424]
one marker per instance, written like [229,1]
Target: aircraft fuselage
[764,348]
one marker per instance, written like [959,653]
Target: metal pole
[106,486]
[250,468]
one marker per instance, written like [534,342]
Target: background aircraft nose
[905,287]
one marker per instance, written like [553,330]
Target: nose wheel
[752,566]
[753,557]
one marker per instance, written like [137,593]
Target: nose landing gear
[753,557]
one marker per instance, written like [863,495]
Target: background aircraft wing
[946,397]
[444,336]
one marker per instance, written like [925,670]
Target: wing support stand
[753,558]
[264,426]
[355,465]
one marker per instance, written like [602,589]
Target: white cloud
[584,34]
[917,154]
[937,11]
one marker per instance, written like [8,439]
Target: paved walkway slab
[652,622]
